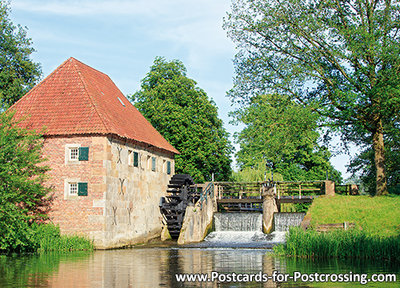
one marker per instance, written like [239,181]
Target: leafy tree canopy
[23,197]
[184,115]
[284,133]
[340,57]
[18,73]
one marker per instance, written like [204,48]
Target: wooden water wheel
[181,193]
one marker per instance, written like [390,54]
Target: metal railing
[209,190]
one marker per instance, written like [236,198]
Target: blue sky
[122,38]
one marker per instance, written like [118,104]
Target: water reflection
[156,267]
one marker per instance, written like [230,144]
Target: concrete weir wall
[198,221]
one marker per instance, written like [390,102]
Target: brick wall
[75,214]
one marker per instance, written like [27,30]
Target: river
[157,267]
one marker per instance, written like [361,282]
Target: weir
[242,230]
[283,221]
[230,208]
[238,221]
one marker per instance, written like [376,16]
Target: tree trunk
[379,150]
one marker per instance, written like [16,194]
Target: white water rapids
[241,230]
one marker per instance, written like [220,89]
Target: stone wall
[121,206]
[133,193]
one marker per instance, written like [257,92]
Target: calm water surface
[156,267]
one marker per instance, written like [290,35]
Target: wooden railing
[236,190]
[299,188]
[347,189]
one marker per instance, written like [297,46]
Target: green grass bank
[376,216]
[376,236]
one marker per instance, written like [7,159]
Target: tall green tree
[340,56]
[184,115]
[363,167]
[18,73]
[24,199]
[283,133]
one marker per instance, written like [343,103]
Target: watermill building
[109,165]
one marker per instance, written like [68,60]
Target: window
[169,167]
[77,188]
[153,164]
[78,153]
[135,159]
[74,154]
[73,189]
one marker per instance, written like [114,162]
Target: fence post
[329,188]
[299,191]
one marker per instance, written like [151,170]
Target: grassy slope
[376,215]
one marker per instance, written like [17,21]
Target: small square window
[74,154]
[73,189]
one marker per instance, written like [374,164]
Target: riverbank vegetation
[24,198]
[376,235]
[48,238]
[352,243]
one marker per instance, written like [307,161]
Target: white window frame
[75,185]
[76,155]
[68,150]
[67,188]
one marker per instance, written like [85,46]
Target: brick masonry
[121,207]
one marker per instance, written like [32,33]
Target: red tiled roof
[77,99]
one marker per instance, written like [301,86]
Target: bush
[24,199]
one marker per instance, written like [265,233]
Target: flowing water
[283,221]
[240,230]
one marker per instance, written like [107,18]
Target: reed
[340,244]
